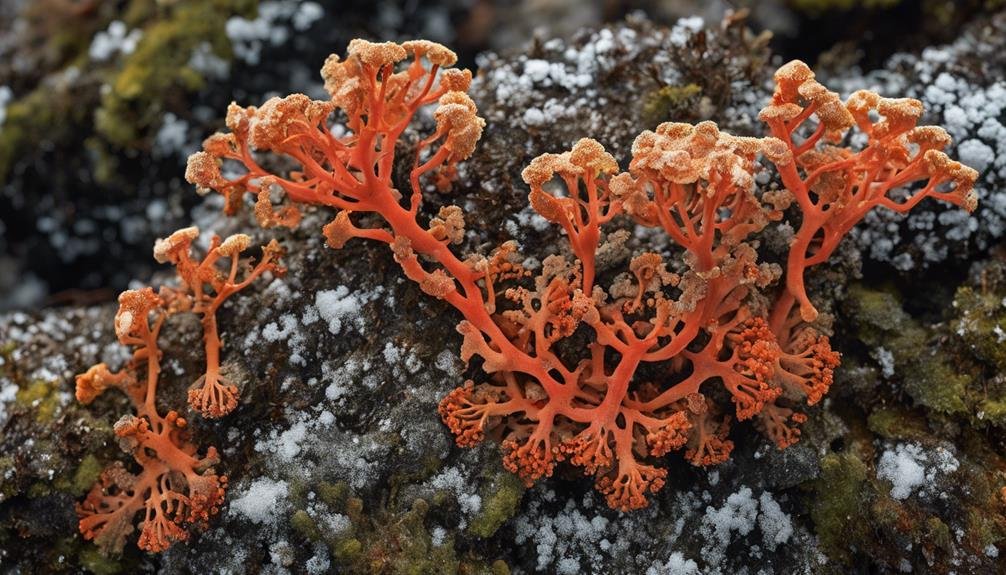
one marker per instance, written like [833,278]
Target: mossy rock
[41,396]
[671,103]
[927,372]
[837,505]
[500,500]
[160,64]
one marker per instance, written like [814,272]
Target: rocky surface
[338,461]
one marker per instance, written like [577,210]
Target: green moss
[94,561]
[895,422]
[837,505]
[86,475]
[499,503]
[303,524]
[670,103]
[938,534]
[931,379]
[499,567]
[347,551]
[391,543]
[159,65]
[981,320]
[41,113]
[7,488]
[993,411]
[333,494]
[39,395]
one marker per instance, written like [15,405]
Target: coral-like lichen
[176,489]
[564,355]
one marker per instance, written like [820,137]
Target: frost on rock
[740,514]
[676,565]
[263,502]
[456,482]
[276,21]
[569,88]
[687,531]
[341,309]
[963,89]
[912,469]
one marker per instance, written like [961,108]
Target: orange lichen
[175,488]
[836,187]
[562,356]
[204,288]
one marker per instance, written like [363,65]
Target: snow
[970,108]
[739,514]
[318,564]
[263,502]
[114,40]
[338,306]
[911,468]
[886,360]
[775,525]
[8,392]
[285,445]
[453,480]
[676,565]
[976,154]
[173,138]
[684,28]
[437,536]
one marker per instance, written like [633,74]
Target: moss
[982,528]
[415,553]
[993,411]
[7,488]
[670,103]
[39,395]
[895,422]
[391,543]
[86,475]
[333,494]
[500,567]
[41,113]
[159,65]
[302,523]
[837,505]
[347,551]
[938,534]
[887,513]
[499,503]
[413,472]
[931,379]
[94,561]
[981,320]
